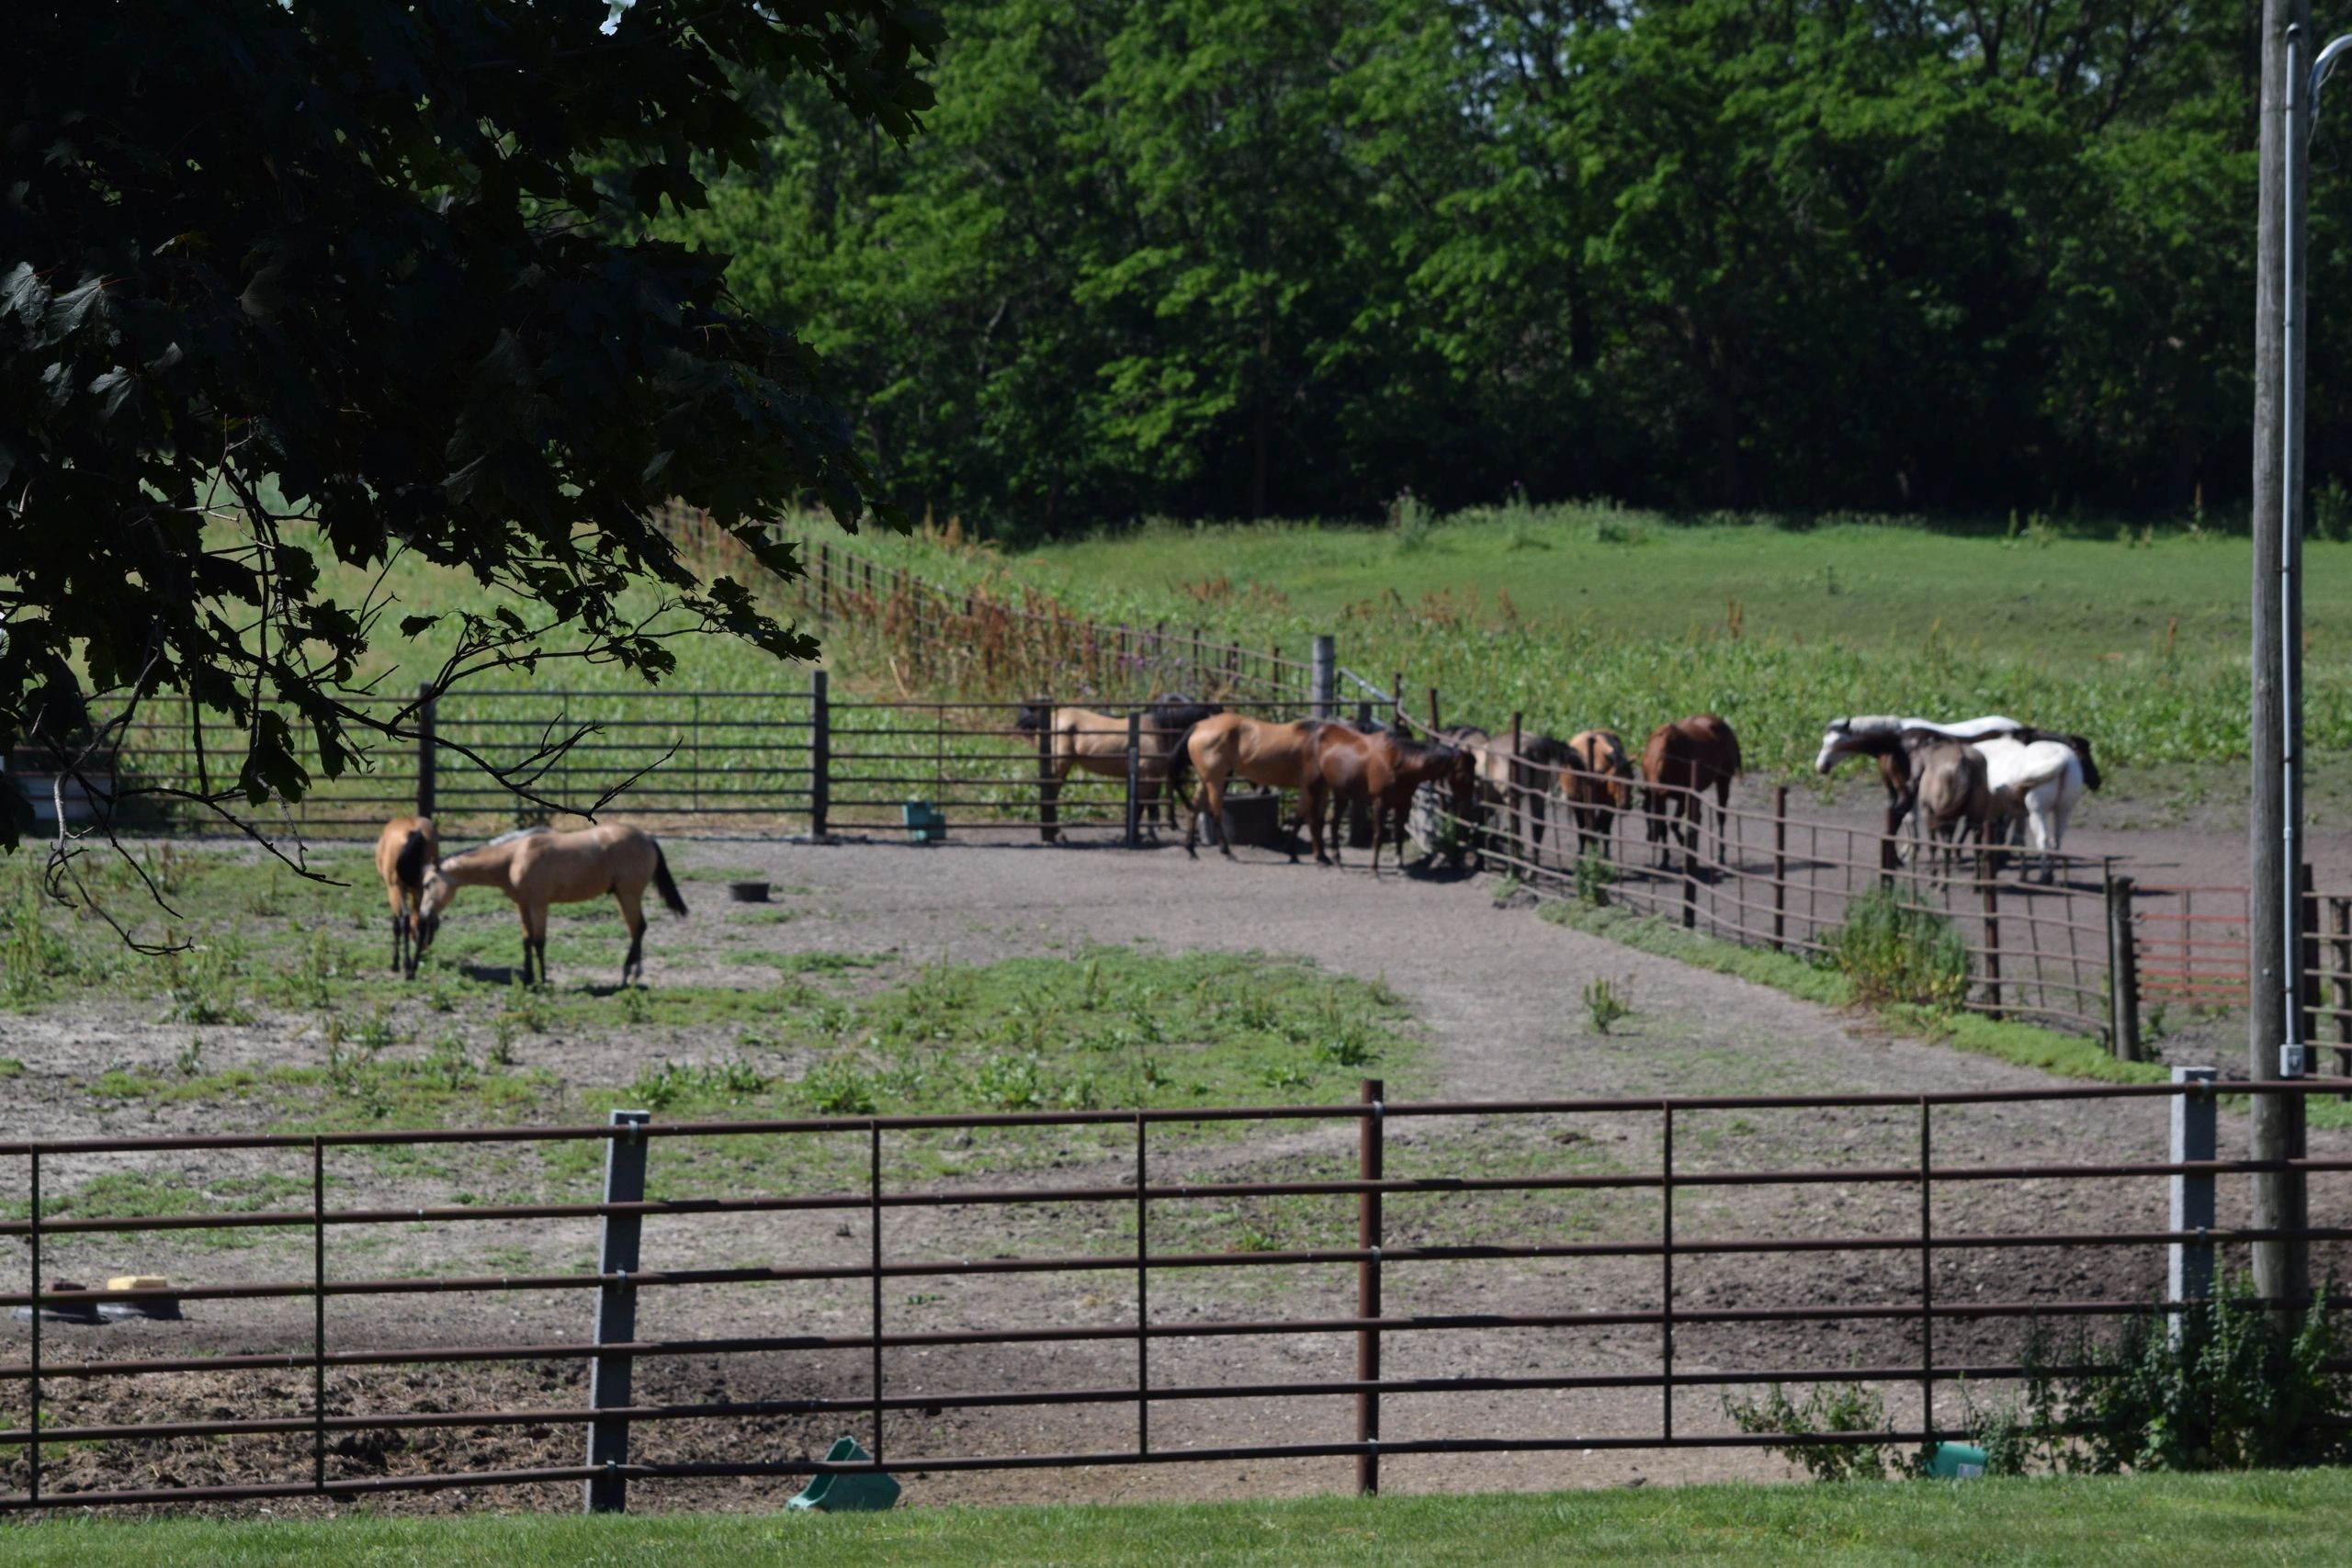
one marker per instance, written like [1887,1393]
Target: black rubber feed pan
[64,1311]
[750,892]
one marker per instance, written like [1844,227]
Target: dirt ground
[1497,994]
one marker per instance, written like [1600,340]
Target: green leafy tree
[353,265]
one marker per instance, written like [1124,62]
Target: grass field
[2081,1523]
[1593,614]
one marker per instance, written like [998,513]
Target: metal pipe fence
[1904,1353]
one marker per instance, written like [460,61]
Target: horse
[404,850]
[2041,781]
[1891,741]
[536,867]
[1386,769]
[1685,757]
[1225,744]
[1953,794]
[1595,784]
[1097,743]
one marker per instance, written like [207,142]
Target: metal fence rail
[633,1140]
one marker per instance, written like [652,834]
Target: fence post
[608,1376]
[1323,676]
[1360,809]
[1048,810]
[1779,866]
[1992,933]
[2189,1270]
[1434,724]
[2340,985]
[1369,1150]
[2122,971]
[1691,870]
[820,755]
[824,583]
[424,749]
[1134,769]
[1510,790]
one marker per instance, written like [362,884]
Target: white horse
[1891,741]
[2039,780]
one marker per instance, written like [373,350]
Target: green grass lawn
[2080,1523]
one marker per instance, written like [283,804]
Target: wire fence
[1669,1329]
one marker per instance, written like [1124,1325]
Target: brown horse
[1095,742]
[536,867]
[1312,757]
[1386,769]
[405,850]
[1595,783]
[1683,759]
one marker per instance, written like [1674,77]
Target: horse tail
[663,886]
[1180,757]
[415,856]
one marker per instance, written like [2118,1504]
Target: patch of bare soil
[1497,992]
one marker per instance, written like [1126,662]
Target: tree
[368,266]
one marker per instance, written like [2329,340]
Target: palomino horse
[1386,769]
[1683,758]
[405,850]
[1096,742]
[536,867]
[1596,782]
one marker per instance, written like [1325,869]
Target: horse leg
[522,914]
[399,943]
[1213,788]
[632,903]
[1049,795]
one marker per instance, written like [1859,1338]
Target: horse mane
[415,855]
[506,838]
[1421,750]
[1544,748]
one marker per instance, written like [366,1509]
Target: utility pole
[2273,814]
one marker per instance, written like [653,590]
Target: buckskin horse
[536,867]
[405,851]
[1095,742]
[1596,782]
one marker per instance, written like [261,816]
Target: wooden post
[1396,697]
[820,755]
[1991,936]
[1323,678]
[824,583]
[1690,887]
[1048,793]
[1360,807]
[616,1255]
[1510,791]
[2122,972]
[426,759]
[1434,725]
[1369,1152]
[1779,866]
[1135,778]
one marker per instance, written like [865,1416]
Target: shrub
[1605,1004]
[1827,1407]
[836,1087]
[1596,875]
[1897,952]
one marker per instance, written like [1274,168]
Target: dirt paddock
[1496,996]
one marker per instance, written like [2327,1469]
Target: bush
[1605,1004]
[1897,952]
[1827,1407]
[2242,1387]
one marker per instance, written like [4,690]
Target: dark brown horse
[1683,759]
[1386,769]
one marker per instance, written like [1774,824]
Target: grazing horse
[1683,758]
[405,850]
[1595,784]
[1955,796]
[1097,743]
[1386,769]
[536,867]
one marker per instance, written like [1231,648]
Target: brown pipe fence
[1658,1305]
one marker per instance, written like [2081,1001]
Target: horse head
[1031,717]
[1836,743]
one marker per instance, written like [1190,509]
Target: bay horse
[1595,784]
[1095,742]
[1386,769]
[537,867]
[1685,757]
[405,851]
